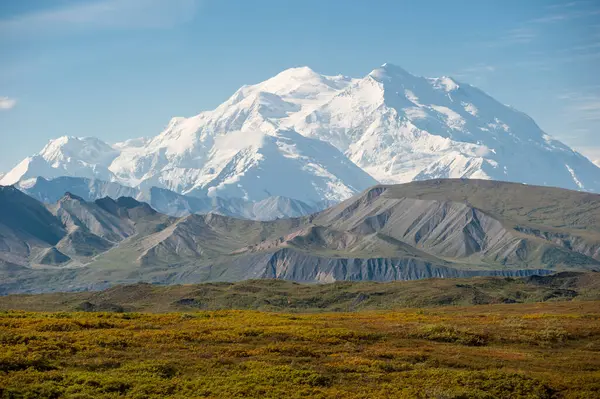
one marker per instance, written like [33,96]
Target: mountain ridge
[436,228]
[333,136]
[166,201]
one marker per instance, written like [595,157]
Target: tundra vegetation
[523,350]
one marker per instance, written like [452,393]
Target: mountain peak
[55,145]
[292,80]
[70,196]
[388,71]
[70,140]
[77,147]
[391,67]
[298,72]
[129,202]
[301,134]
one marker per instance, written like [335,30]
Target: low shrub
[445,333]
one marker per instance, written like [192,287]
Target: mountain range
[312,138]
[434,228]
[166,201]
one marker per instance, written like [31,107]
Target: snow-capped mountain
[67,156]
[50,191]
[301,135]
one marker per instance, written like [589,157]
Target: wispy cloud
[565,56]
[588,109]
[585,102]
[514,37]
[7,103]
[475,71]
[581,114]
[477,74]
[582,106]
[567,5]
[551,18]
[480,68]
[565,15]
[521,35]
[538,28]
[101,15]
[584,47]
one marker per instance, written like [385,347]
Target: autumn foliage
[549,350]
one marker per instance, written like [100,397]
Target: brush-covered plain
[543,350]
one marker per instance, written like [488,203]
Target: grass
[547,350]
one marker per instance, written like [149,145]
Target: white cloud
[101,15]
[7,103]
[584,106]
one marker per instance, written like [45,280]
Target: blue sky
[119,69]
